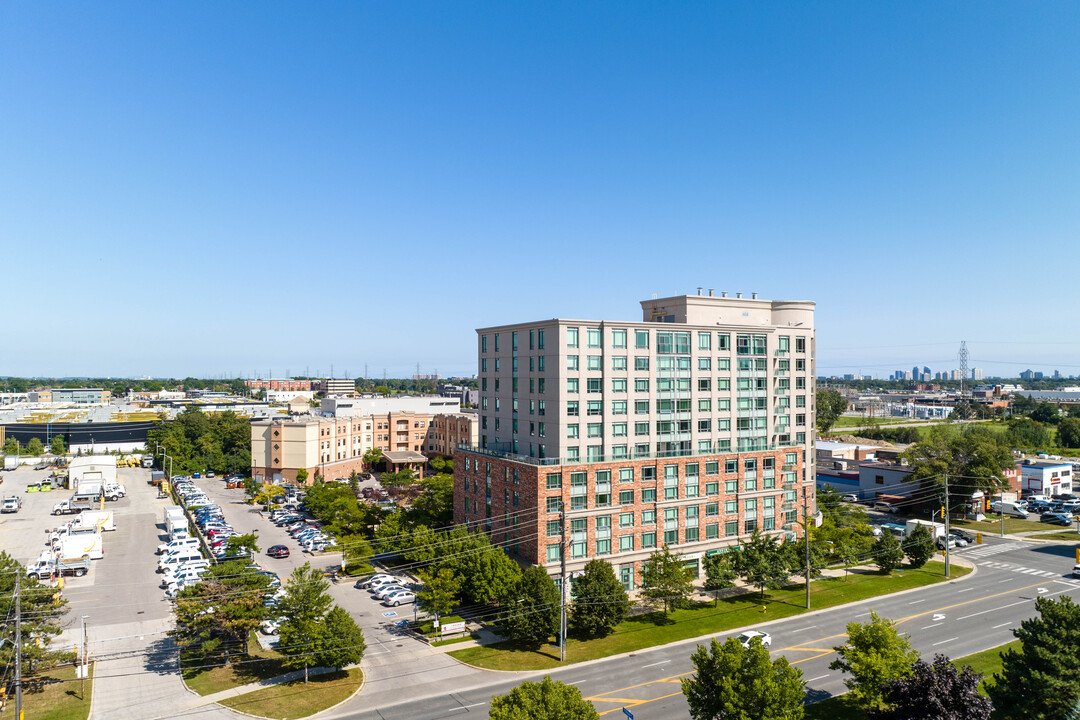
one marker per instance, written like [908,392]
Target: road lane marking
[635,703]
[931,626]
[808,627]
[662,662]
[945,641]
[916,602]
[1001,625]
[819,677]
[965,590]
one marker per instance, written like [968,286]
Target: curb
[93,690]
[731,631]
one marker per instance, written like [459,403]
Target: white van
[1009,509]
[179,557]
[185,574]
[174,571]
[177,544]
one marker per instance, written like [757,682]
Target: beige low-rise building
[334,447]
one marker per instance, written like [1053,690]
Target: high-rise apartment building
[692,427]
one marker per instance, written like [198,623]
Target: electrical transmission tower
[963,356]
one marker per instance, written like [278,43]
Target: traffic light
[943,512]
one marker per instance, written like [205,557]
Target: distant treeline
[235,386]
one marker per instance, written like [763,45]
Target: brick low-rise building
[693,427]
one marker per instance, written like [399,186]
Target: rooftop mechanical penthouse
[692,427]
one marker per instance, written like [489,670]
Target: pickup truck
[11,505]
[74,505]
[43,569]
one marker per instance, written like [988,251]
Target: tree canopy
[199,441]
[316,633]
[665,581]
[1040,680]
[732,682]
[219,613]
[937,691]
[876,653]
[41,609]
[544,700]
[600,601]
[830,406]
[532,608]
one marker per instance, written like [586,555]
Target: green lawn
[848,421]
[297,699]
[58,700]
[841,707]
[258,664]
[1065,535]
[704,619]
[992,525]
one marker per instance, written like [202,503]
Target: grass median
[707,618]
[296,699]
[59,699]
[992,525]
[207,674]
[842,707]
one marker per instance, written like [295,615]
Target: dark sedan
[278,551]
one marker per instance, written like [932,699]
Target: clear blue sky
[205,188]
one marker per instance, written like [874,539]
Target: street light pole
[946,525]
[565,589]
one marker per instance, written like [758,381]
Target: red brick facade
[632,504]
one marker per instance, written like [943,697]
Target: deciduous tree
[732,682]
[830,406]
[919,547]
[34,447]
[57,446]
[934,692]
[665,581]
[544,700]
[888,555]
[532,608]
[41,609]
[441,591]
[600,601]
[874,655]
[221,610]
[1069,432]
[760,562]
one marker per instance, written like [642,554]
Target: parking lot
[121,587]
[376,619]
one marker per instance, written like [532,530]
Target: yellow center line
[794,648]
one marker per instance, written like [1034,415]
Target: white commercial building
[1046,477]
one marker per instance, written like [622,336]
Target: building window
[648,540]
[593,337]
[704,341]
[618,338]
[554,553]
[723,341]
[648,517]
[554,504]
[627,519]
[641,339]
[626,543]
[641,363]
[641,407]
[594,362]
[626,474]
[648,495]
[731,528]
[618,362]
[554,481]
[571,337]
[603,547]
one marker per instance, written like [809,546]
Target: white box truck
[170,509]
[78,546]
[175,523]
[101,519]
[936,529]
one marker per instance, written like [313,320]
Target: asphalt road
[955,618]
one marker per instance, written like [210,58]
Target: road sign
[628,714]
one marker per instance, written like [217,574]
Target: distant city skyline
[198,189]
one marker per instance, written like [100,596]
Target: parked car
[962,534]
[885,507]
[271,627]
[1057,518]
[1076,571]
[388,590]
[367,582]
[399,598]
[747,637]
[278,551]
[850,497]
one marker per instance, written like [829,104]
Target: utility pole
[946,525]
[565,589]
[806,541]
[83,671]
[18,648]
